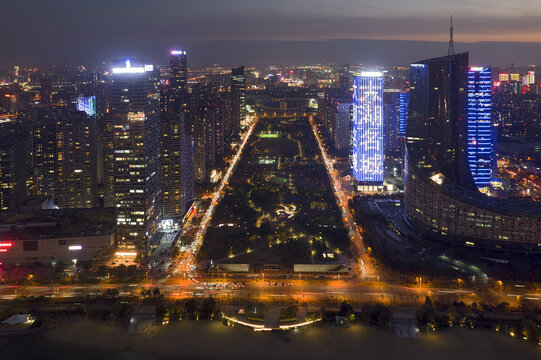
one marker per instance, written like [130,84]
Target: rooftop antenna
[451,42]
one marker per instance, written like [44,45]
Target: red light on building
[6,244]
[497,83]
[3,250]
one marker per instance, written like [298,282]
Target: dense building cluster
[134,137]
[148,141]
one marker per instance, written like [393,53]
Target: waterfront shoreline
[212,340]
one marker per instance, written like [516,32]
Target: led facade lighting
[128,68]
[481,134]
[404,108]
[368,127]
[75,247]
[87,104]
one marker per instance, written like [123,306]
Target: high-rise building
[133,153]
[14,146]
[438,116]
[442,200]
[404,113]
[178,67]
[173,148]
[344,78]
[46,91]
[481,135]
[343,118]
[531,77]
[76,144]
[368,127]
[44,122]
[177,140]
[335,109]
[238,100]
[207,116]
[87,104]
[391,111]
[395,107]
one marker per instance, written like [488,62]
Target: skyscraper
[238,100]
[44,121]
[342,133]
[76,144]
[395,107]
[207,116]
[481,134]
[391,110]
[448,134]
[178,68]
[177,140]
[14,146]
[132,147]
[437,124]
[404,109]
[368,127]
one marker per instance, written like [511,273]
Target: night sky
[36,32]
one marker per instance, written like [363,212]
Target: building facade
[368,124]
[13,168]
[177,140]
[238,100]
[133,154]
[482,136]
[76,176]
[442,201]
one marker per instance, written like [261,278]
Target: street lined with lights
[216,197]
[365,262]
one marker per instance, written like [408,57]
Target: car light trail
[365,263]
[216,197]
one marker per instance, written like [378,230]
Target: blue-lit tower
[481,134]
[368,127]
[404,108]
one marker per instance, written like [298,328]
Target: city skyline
[239,32]
[272,166]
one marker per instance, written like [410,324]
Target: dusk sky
[68,31]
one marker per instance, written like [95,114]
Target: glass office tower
[133,154]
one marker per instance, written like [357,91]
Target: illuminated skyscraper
[437,123]
[177,140]
[44,120]
[76,143]
[14,147]
[448,157]
[391,111]
[238,100]
[404,109]
[133,150]
[342,133]
[481,134]
[368,127]
[87,104]
[531,77]
[178,70]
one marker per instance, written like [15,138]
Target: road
[187,263]
[314,292]
[364,262]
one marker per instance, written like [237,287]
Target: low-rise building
[51,236]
